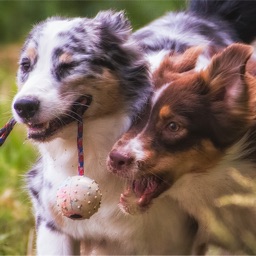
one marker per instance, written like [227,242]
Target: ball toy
[79,197]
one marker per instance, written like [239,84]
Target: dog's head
[193,117]
[67,65]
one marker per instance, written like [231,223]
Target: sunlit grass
[16,157]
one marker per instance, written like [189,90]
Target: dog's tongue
[144,189]
[140,192]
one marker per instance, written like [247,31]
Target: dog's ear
[229,93]
[115,27]
[225,75]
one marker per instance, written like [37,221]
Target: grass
[16,157]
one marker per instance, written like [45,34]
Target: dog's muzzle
[27,109]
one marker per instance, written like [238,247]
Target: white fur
[202,63]
[158,94]
[155,59]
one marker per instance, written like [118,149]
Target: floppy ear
[228,94]
[114,25]
[225,75]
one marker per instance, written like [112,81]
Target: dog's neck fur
[61,152]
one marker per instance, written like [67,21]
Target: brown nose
[119,161]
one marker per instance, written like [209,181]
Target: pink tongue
[144,189]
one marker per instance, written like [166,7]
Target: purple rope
[80,148]
[5,131]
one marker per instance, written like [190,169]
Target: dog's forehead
[56,33]
[180,96]
[167,95]
[159,93]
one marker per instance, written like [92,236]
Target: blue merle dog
[91,68]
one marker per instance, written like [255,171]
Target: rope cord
[5,131]
[80,149]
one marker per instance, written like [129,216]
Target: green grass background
[16,156]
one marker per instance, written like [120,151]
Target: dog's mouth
[42,131]
[140,192]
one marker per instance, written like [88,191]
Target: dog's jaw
[140,192]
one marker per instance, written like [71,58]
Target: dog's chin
[140,192]
[42,132]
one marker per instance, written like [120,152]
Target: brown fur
[175,65]
[106,103]
[65,58]
[32,54]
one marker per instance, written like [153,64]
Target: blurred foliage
[16,157]
[18,16]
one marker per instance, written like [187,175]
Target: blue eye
[173,127]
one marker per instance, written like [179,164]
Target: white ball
[79,197]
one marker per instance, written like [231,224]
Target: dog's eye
[64,69]
[173,127]
[25,64]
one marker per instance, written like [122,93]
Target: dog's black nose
[26,107]
[119,161]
